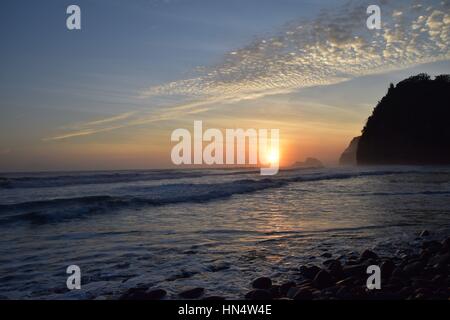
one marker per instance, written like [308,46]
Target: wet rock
[262,283]
[398,273]
[422,283]
[446,244]
[292,292]
[368,254]
[334,267]
[387,267]
[193,293]
[425,255]
[214,298]
[424,233]
[326,255]
[143,294]
[397,283]
[440,259]
[218,267]
[132,294]
[284,288]
[350,281]
[413,268]
[182,275]
[432,246]
[258,294]
[354,270]
[343,293]
[156,294]
[275,291]
[303,294]
[422,293]
[330,261]
[323,280]
[405,292]
[309,272]
[304,282]
[439,280]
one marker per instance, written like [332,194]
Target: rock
[334,267]
[440,259]
[303,294]
[432,246]
[424,233]
[347,282]
[439,280]
[323,280]
[387,267]
[156,294]
[354,270]
[326,255]
[422,293]
[405,292]
[143,294]
[275,291]
[420,296]
[309,163]
[262,283]
[193,293]
[214,298]
[309,272]
[446,244]
[367,254]
[284,288]
[292,292]
[133,294]
[425,254]
[343,293]
[258,294]
[422,283]
[398,273]
[413,268]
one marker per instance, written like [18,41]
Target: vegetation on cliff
[410,125]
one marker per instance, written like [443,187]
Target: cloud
[331,48]
[91,127]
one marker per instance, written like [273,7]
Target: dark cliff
[410,125]
[348,157]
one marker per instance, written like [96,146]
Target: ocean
[216,229]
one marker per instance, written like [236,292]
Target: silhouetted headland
[410,125]
[348,157]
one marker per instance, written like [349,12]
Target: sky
[109,95]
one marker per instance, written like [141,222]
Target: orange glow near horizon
[273,156]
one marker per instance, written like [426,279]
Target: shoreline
[413,276]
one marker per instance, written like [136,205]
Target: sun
[273,156]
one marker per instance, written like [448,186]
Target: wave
[418,193]
[85,178]
[56,210]
[61,209]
